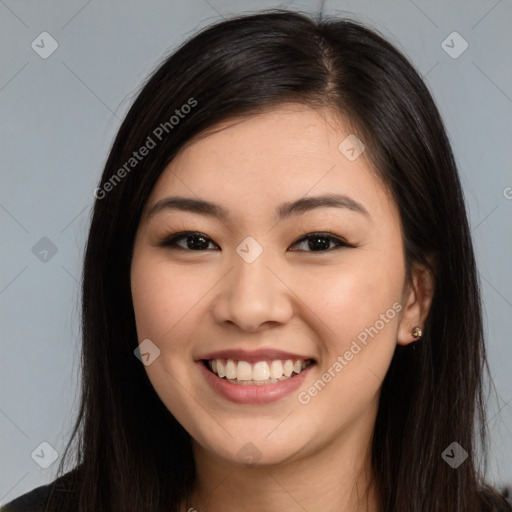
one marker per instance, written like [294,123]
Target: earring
[417,332]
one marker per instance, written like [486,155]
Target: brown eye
[193,241]
[320,242]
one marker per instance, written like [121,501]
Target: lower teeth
[257,382]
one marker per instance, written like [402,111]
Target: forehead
[294,132]
[252,163]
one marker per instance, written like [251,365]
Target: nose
[253,296]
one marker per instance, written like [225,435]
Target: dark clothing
[47,498]
[52,498]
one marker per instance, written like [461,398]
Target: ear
[417,299]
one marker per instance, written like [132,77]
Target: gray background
[58,119]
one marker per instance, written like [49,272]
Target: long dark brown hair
[131,453]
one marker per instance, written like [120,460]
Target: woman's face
[266,283]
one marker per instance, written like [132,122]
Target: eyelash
[171,241]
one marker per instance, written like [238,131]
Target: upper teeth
[261,371]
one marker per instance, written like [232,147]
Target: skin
[313,456]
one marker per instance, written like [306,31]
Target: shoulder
[39,499]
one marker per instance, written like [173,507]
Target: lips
[249,393]
[258,376]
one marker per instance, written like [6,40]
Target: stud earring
[417,332]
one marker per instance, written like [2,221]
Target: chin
[255,450]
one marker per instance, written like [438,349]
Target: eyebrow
[298,207]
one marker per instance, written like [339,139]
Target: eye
[321,242]
[193,241]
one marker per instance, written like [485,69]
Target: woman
[280,301]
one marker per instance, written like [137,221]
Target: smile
[245,388]
[259,373]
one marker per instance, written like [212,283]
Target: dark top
[47,498]
[51,498]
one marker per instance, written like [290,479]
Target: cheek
[359,301]
[358,311]
[162,298]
